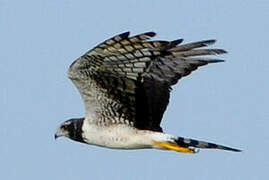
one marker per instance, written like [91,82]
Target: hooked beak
[55,136]
[60,132]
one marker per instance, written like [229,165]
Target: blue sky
[225,103]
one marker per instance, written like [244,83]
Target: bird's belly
[117,137]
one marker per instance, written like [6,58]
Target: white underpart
[121,136]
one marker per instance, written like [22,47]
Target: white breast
[117,136]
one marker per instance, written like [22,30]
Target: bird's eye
[64,126]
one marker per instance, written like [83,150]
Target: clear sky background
[226,103]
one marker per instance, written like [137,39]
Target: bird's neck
[77,130]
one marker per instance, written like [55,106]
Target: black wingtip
[220,51]
[216,61]
[150,34]
[208,42]
[176,42]
[124,35]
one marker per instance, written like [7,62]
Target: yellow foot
[174,147]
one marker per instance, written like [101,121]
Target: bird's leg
[174,147]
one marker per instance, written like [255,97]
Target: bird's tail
[186,145]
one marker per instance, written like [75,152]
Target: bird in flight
[125,83]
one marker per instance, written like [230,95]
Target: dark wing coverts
[135,76]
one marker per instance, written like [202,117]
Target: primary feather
[125,83]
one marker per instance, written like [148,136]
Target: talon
[175,147]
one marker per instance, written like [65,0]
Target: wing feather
[128,79]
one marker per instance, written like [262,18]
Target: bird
[125,83]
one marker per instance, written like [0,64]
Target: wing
[128,79]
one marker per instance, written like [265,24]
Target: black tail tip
[232,149]
[221,147]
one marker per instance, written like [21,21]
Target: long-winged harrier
[125,83]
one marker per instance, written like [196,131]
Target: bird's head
[71,128]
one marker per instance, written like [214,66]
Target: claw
[175,147]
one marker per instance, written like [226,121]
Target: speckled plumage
[125,83]
[114,75]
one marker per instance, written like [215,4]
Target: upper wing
[128,79]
